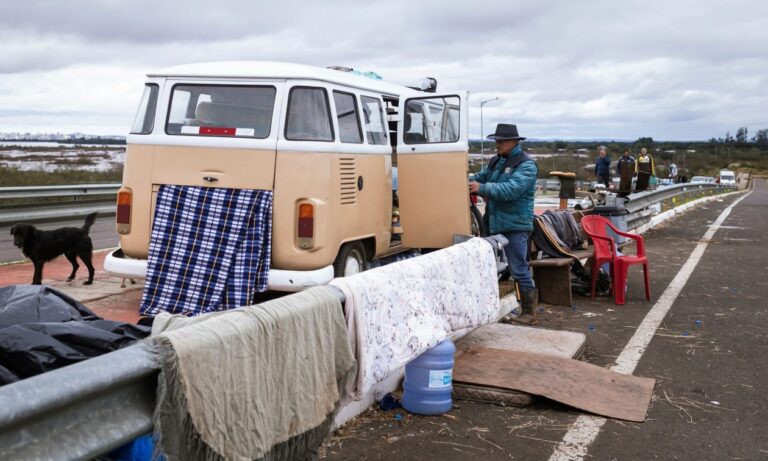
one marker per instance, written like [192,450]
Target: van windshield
[211,110]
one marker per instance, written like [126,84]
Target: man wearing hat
[508,184]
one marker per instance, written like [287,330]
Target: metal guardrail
[87,409]
[52,211]
[643,200]
[667,197]
[56,213]
[80,411]
[77,190]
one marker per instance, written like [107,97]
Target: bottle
[429,381]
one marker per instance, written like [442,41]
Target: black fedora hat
[506,132]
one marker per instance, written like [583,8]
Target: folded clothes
[565,227]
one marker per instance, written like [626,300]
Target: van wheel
[478,228]
[351,260]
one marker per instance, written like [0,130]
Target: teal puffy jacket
[508,192]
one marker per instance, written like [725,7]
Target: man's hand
[474,187]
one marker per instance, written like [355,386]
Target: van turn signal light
[306,226]
[124,201]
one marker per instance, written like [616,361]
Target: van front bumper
[117,264]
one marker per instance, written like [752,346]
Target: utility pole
[482,133]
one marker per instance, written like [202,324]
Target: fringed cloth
[260,382]
[209,250]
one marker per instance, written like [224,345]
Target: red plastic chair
[605,252]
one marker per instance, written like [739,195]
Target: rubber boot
[528,302]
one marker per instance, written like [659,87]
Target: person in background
[625,167]
[644,168]
[508,184]
[673,173]
[603,168]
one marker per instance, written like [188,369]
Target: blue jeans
[517,255]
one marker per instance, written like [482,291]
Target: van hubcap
[352,265]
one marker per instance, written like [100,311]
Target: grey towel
[260,382]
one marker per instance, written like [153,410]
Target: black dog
[42,246]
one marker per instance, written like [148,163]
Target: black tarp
[42,329]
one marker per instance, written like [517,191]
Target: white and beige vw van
[326,142]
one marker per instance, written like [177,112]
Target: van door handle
[210,178]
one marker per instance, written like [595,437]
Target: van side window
[431,120]
[145,117]
[346,115]
[309,115]
[217,110]
[375,129]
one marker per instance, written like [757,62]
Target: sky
[671,69]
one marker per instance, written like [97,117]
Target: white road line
[584,430]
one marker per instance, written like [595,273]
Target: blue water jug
[428,381]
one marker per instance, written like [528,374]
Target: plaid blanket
[209,250]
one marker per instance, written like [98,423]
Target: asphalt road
[712,395]
[708,358]
[102,234]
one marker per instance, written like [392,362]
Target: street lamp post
[482,136]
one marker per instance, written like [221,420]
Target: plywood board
[572,382]
[566,344]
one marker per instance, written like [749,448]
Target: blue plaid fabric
[209,250]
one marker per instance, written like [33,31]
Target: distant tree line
[705,158]
[760,139]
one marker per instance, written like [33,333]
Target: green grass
[14,177]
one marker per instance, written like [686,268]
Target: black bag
[42,329]
[581,281]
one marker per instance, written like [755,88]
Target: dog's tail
[89,220]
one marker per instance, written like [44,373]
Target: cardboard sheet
[572,382]
[516,338]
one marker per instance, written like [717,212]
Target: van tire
[478,227]
[351,259]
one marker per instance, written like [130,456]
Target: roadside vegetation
[14,177]
[700,158]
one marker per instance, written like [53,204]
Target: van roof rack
[370,74]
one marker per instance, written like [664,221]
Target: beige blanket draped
[257,382]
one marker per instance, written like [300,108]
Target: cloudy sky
[670,69]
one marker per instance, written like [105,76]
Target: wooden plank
[551,262]
[578,384]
